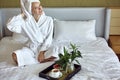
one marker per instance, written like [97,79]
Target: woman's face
[36,8]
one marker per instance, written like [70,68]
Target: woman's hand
[41,56]
[23,16]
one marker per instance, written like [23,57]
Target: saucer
[60,75]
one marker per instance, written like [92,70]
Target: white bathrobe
[39,33]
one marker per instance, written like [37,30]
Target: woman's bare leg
[14,57]
[41,56]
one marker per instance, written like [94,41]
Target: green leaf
[60,55]
[79,54]
[77,61]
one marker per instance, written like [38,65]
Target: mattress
[99,62]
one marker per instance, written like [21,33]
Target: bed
[99,61]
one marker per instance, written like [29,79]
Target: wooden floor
[118,56]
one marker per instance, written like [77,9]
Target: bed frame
[101,14]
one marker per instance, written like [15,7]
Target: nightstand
[114,42]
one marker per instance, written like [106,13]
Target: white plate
[54,76]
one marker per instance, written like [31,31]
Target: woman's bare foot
[14,57]
[49,59]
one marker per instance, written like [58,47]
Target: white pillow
[74,30]
[19,38]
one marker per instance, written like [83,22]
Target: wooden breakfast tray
[66,76]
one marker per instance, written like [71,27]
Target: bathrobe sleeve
[15,24]
[48,40]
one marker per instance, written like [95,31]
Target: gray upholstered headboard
[101,14]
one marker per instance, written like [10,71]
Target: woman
[34,24]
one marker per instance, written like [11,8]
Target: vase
[69,67]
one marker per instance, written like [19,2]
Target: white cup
[55,73]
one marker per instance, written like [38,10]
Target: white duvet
[99,62]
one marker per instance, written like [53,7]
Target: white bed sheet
[99,62]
